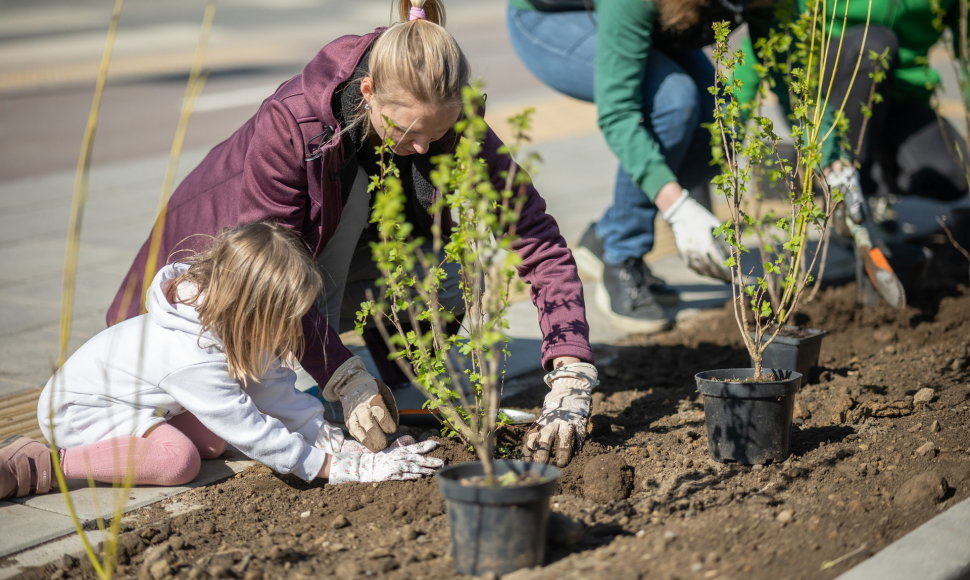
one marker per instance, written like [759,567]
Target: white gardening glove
[351,446]
[693,229]
[395,463]
[370,412]
[843,177]
[561,427]
[850,215]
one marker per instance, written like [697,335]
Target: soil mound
[880,445]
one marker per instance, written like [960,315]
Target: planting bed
[880,446]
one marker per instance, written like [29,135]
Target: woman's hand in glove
[693,228]
[370,412]
[560,430]
[402,460]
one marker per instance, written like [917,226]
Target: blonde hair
[418,60]
[253,286]
[414,60]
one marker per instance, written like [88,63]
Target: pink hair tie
[416,13]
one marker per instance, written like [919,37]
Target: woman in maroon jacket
[303,160]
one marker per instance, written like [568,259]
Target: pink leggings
[171,454]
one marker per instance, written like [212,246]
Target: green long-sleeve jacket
[623,41]
[626,31]
[917,25]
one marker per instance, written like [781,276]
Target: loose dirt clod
[607,478]
[924,489]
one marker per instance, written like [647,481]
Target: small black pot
[797,353]
[748,422]
[495,530]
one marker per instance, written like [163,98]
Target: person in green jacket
[641,62]
[905,148]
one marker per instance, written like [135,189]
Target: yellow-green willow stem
[855,71]
[81,179]
[105,568]
[192,91]
[822,97]
[78,202]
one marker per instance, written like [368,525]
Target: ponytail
[417,60]
[434,11]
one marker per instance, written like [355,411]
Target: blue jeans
[560,49]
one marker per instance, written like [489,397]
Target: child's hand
[370,412]
[399,462]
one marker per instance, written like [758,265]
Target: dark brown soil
[880,445]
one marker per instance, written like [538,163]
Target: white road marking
[230,99]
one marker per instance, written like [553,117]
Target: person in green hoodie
[905,148]
[641,62]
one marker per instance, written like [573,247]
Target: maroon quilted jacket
[274,167]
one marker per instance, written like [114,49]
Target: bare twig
[949,236]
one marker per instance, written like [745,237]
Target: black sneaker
[627,299]
[589,260]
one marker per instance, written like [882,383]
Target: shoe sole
[625,323]
[590,267]
[591,270]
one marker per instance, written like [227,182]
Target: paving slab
[45,553]
[32,527]
[937,550]
[40,519]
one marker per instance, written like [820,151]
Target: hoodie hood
[334,65]
[178,317]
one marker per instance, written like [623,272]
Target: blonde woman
[150,397]
[305,158]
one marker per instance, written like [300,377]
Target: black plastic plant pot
[795,349]
[748,422]
[495,530]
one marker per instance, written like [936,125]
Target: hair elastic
[416,13]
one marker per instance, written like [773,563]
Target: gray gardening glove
[843,177]
[370,412]
[693,231]
[398,462]
[561,427]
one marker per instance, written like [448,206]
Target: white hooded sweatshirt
[147,369]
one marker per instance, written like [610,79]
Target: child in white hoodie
[145,400]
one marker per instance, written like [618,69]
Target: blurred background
[50,51]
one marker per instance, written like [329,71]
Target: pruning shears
[876,266]
[870,258]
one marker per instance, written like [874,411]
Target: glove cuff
[579,370]
[672,210]
[330,438]
[334,387]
